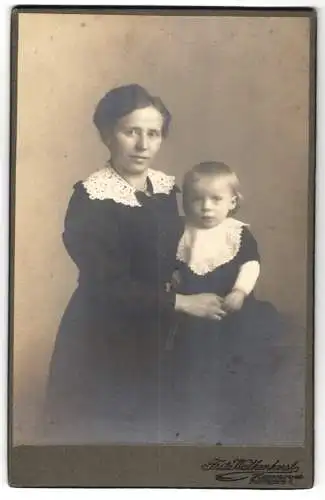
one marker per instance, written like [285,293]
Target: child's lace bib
[203,250]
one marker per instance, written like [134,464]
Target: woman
[121,230]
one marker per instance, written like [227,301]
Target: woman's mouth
[139,158]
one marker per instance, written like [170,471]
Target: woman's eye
[130,132]
[154,133]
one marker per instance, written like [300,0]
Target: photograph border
[167,466]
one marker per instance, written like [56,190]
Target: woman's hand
[203,305]
[234,301]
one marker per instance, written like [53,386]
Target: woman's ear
[105,136]
[105,139]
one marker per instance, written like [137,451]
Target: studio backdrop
[238,91]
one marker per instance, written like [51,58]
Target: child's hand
[234,301]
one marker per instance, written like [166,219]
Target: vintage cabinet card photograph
[162,247]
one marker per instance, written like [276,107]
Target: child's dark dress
[226,369]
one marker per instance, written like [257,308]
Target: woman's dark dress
[227,370]
[110,363]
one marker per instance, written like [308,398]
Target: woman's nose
[142,142]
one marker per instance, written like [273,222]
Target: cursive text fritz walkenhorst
[257,471]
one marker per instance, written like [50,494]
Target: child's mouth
[207,218]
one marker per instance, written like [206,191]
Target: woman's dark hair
[123,100]
[211,169]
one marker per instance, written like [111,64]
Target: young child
[224,363]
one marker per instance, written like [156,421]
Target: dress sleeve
[249,248]
[104,265]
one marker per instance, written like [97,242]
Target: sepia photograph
[162,202]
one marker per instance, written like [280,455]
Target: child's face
[210,200]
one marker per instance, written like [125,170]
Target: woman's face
[135,140]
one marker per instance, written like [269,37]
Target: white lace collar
[107,184]
[203,250]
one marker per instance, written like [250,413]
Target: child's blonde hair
[213,169]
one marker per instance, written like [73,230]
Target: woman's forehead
[148,117]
